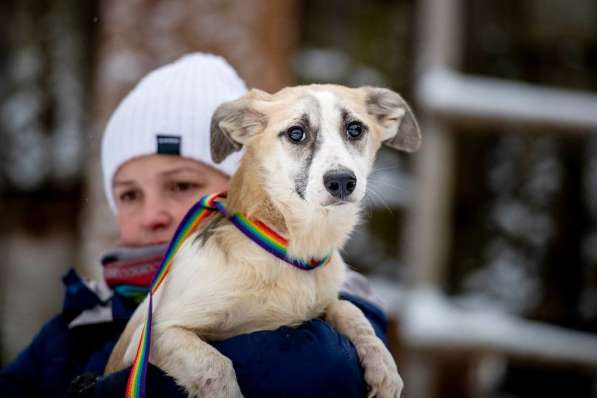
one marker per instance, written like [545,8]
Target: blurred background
[483,244]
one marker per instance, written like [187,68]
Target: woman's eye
[128,196]
[184,186]
[354,130]
[296,134]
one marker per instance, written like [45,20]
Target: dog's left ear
[234,123]
[399,126]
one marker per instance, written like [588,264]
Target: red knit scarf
[134,272]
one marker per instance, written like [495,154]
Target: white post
[428,234]
[428,238]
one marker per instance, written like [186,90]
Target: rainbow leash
[135,387]
[256,230]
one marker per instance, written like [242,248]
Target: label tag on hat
[168,144]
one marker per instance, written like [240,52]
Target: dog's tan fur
[225,285]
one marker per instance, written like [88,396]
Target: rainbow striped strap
[268,239]
[272,242]
[135,387]
[256,230]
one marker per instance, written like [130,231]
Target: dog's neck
[247,196]
[312,233]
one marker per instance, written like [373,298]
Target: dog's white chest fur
[221,294]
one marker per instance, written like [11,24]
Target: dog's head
[316,144]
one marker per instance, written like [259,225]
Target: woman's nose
[156,216]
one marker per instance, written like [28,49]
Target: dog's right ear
[234,123]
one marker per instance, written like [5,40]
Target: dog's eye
[296,134]
[354,130]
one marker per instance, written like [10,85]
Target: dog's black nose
[340,183]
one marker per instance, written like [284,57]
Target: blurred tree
[257,37]
[45,59]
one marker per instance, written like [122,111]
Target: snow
[322,65]
[363,75]
[507,280]
[123,66]
[469,97]
[431,321]
[66,87]
[45,82]
[331,65]
[26,159]
[518,220]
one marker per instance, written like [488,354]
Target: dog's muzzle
[340,183]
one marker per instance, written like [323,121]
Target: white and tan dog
[309,150]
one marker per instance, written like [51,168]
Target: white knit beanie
[169,111]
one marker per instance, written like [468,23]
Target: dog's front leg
[380,370]
[194,364]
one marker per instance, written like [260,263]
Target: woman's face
[154,192]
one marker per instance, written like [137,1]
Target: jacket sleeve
[310,360]
[18,378]
[23,376]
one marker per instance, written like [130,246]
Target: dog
[308,153]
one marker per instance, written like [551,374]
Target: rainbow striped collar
[261,234]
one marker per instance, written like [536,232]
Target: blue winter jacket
[312,360]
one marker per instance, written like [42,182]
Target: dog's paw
[214,377]
[380,370]
[218,380]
